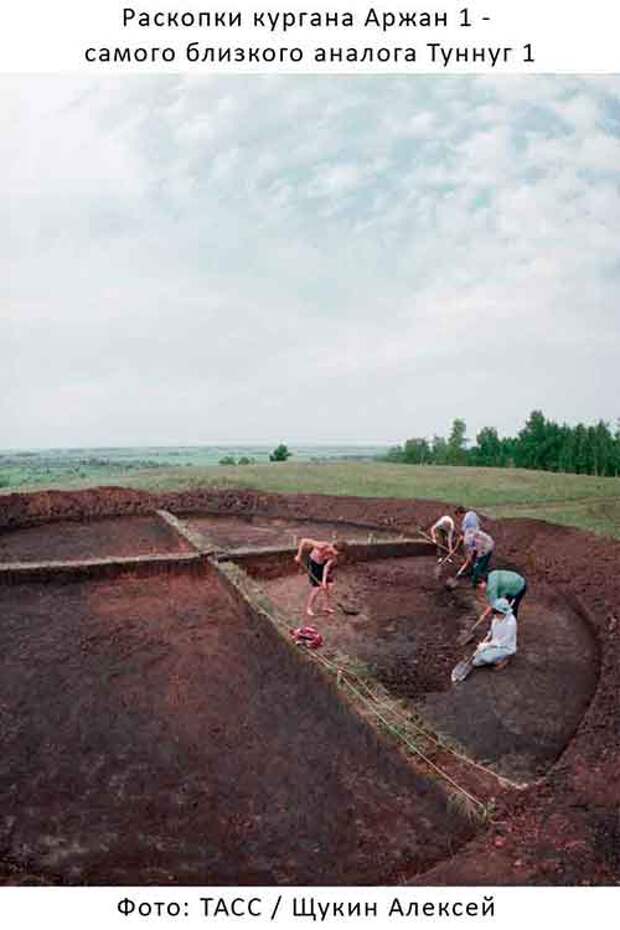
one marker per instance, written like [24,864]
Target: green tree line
[541,444]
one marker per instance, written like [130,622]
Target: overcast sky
[306,258]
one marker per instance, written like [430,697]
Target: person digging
[469,521]
[321,564]
[498,646]
[499,583]
[502,584]
[442,534]
[500,643]
[479,548]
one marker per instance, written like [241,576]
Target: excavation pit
[259,531]
[406,634]
[104,538]
[155,732]
[159,727]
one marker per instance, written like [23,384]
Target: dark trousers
[517,599]
[480,568]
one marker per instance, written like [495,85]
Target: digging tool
[467,636]
[430,539]
[462,669]
[347,609]
[451,583]
[447,558]
[440,564]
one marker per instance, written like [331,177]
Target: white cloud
[393,252]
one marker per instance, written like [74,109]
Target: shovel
[468,635]
[348,609]
[451,583]
[442,562]
[422,532]
[462,669]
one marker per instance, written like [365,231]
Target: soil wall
[273,563]
[140,567]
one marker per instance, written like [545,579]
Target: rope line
[345,675]
[399,723]
[408,722]
[416,750]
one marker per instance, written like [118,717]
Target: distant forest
[541,444]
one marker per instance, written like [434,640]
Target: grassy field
[575,500]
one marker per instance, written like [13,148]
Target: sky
[305,258]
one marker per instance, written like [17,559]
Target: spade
[462,669]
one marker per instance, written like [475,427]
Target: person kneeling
[501,642]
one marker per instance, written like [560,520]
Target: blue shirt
[470,521]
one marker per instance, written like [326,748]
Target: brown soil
[237,532]
[152,734]
[96,539]
[405,626]
[407,635]
[562,830]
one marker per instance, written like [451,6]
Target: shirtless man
[321,563]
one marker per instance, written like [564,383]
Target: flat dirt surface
[520,719]
[152,733]
[406,634]
[70,541]
[239,532]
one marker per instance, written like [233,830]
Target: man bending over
[478,551]
[503,583]
[320,568]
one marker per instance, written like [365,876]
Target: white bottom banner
[290,907]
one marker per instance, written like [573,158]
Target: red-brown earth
[152,733]
[94,539]
[562,829]
[239,532]
[407,634]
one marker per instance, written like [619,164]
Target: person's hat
[501,606]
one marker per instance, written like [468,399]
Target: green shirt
[503,584]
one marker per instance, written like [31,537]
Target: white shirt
[504,632]
[444,523]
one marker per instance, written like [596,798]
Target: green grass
[574,500]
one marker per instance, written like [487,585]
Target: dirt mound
[45,506]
